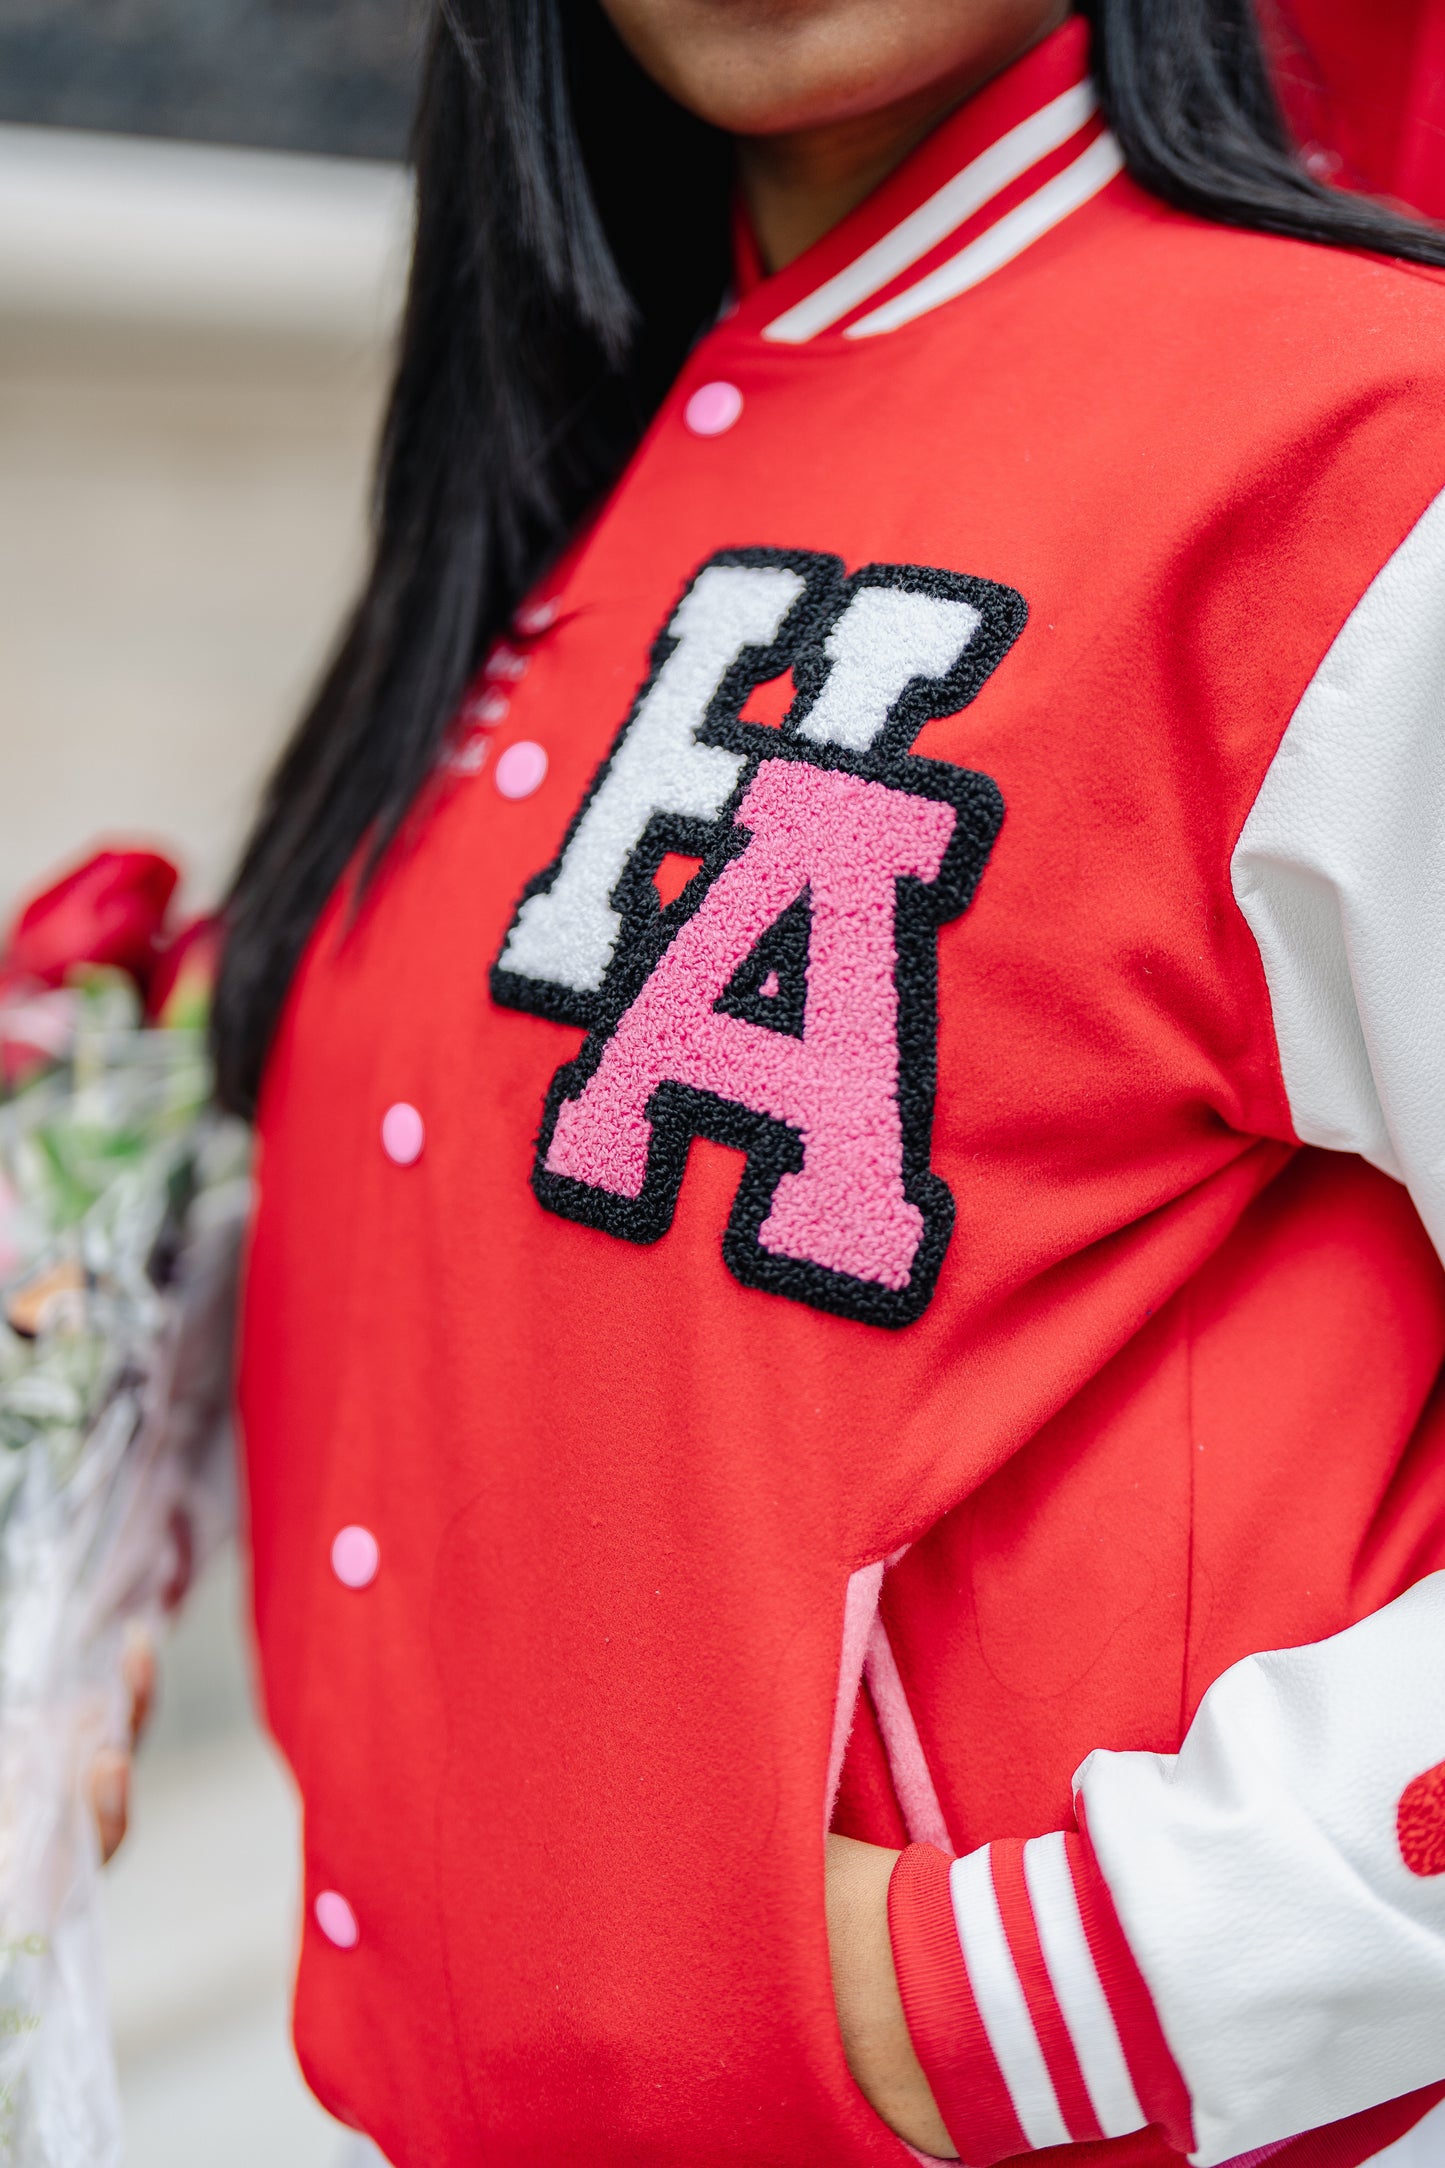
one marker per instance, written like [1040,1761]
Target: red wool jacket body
[911,1314]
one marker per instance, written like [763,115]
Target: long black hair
[571,243]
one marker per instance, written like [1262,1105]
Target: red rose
[185,973]
[108,911]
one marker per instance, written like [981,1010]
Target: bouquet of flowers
[122,1198]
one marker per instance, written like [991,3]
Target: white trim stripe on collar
[1017,230]
[942,214]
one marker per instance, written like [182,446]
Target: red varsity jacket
[849,1234]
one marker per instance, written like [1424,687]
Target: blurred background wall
[203,231]
[333,76]
[192,344]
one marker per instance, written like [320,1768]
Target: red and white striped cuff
[1030,2017]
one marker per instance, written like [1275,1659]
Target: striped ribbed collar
[989,181]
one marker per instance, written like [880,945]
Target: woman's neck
[798,185]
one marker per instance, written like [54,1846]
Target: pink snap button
[355,1556]
[521,769]
[712,409]
[336,1919]
[403,1133]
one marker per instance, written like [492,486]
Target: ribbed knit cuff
[1027,2010]
[1157,2077]
[943,2017]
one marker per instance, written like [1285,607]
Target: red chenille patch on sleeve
[1420,1822]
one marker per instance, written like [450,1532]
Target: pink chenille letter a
[845,842]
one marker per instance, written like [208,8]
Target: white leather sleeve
[1340,872]
[1297,1964]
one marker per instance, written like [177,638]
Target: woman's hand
[110,1771]
[865,1988]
